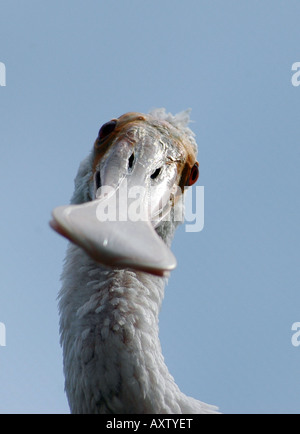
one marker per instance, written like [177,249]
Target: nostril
[97,180]
[130,161]
[156,173]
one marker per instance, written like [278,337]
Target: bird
[120,223]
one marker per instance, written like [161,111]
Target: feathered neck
[109,332]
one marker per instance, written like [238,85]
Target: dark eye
[194,174]
[106,129]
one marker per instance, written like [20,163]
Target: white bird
[120,223]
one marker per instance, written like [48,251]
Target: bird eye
[194,174]
[106,129]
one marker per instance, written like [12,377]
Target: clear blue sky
[229,307]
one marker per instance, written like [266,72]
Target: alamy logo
[2,74]
[141,204]
[296,76]
[296,336]
[2,335]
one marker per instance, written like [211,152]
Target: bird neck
[109,332]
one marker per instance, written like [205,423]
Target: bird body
[109,312]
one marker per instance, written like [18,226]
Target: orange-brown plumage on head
[182,138]
[155,152]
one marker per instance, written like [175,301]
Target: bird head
[127,191]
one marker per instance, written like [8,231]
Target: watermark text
[2,74]
[2,335]
[138,203]
[296,76]
[296,335]
[154,423]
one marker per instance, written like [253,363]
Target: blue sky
[226,320]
